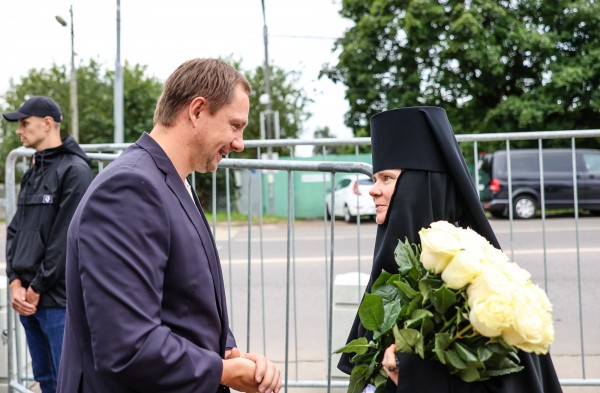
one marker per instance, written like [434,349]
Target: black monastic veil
[434,185]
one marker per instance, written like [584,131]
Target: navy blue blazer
[146,308]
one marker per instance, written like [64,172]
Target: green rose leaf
[420,346]
[455,360]
[388,292]
[392,310]
[469,374]
[360,371]
[365,358]
[406,339]
[464,352]
[359,346]
[371,312]
[373,365]
[442,299]
[484,353]
[502,371]
[382,279]
[418,317]
[428,283]
[412,306]
[499,361]
[442,341]
[358,379]
[406,290]
[380,381]
[403,255]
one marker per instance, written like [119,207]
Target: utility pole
[118,85]
[268,123]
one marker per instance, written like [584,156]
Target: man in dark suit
[146,309]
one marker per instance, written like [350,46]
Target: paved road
[559,270]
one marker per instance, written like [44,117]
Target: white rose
[541,299]
[494,255]
[490,280]
[532,329]
[439,245]
[444,226]
[491,315]
[515,273]
[541,348]
[462,269]
[471,239]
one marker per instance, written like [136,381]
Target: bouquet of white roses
[457,300]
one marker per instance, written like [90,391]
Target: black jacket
[37,235]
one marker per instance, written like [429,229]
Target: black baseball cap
[40,106]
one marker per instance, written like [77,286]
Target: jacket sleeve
[124,245]
[11,234]
[74,182]
[10,237]
[230,339]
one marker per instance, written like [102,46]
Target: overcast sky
[163,33]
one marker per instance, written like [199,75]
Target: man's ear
[196,107]
[49,123]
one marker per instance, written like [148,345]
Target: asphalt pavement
[292,324]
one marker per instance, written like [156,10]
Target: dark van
[526,179]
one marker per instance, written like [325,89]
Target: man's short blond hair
[212,79]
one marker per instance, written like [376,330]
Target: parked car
[526,180]
[351,198]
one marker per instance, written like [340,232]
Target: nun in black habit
[434,184]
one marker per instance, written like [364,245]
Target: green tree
[96,121]
[495,66]
[287,99]
[95,102]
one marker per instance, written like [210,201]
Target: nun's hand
[390,364]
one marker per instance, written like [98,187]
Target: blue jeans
[44,331]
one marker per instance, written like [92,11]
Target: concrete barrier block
[348,290]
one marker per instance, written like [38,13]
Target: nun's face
[382,191]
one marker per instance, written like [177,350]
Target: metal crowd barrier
[243,302]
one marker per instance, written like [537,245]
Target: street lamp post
[73,79]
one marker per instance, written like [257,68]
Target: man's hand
[19,302]
[267,374]
[232,353]
[250,373]
[32,297]
[238,374]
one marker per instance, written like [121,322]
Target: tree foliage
[495,66]
[95,104]
[95,99]
[287,99]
